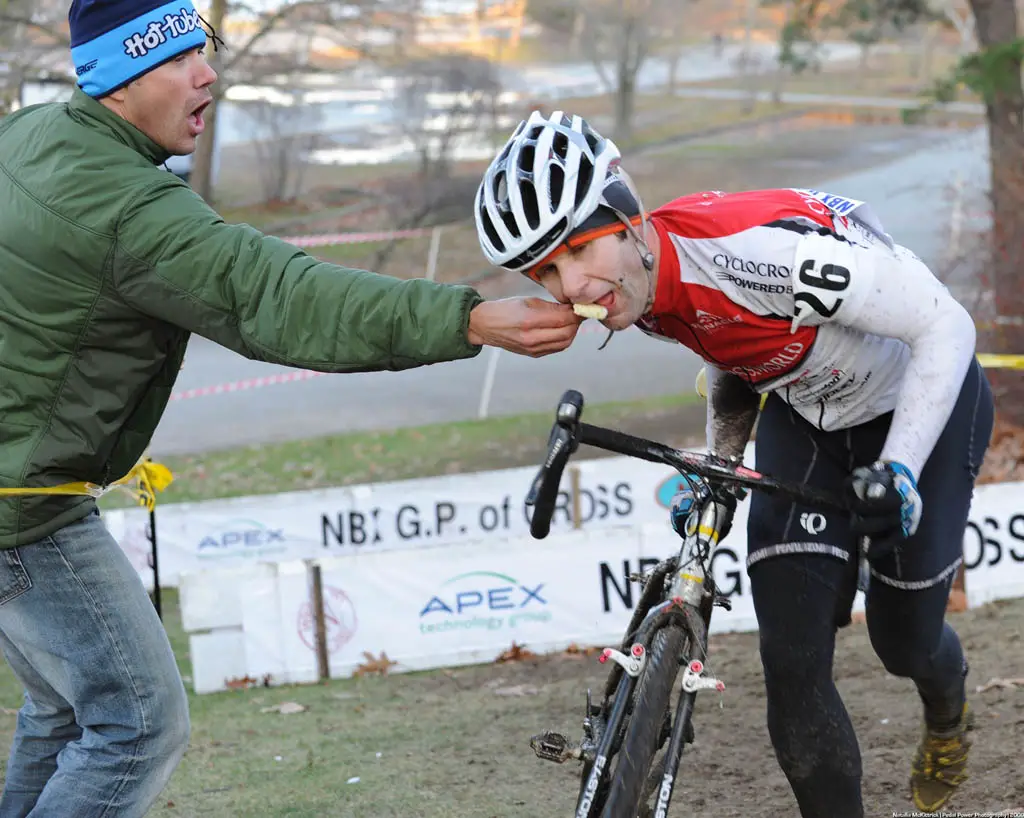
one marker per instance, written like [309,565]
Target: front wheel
[644,733]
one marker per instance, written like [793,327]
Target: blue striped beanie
[116,41]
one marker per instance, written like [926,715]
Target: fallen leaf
[285,708]
[240,682]
[576,650]
[515,653]
[374,664]
[996,683]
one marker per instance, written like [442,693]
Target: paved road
[912,195]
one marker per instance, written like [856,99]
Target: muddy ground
[731,769]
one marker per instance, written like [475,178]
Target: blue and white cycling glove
[886,505]
[693,497]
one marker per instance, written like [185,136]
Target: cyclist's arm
[175,259]
[732,411]
[895,295]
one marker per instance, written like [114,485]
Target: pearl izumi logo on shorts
[161,31]
[812,523]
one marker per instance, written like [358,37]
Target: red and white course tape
[246,384]
[326,239]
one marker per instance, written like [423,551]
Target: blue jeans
[105,718]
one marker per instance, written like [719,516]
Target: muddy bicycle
[628,772]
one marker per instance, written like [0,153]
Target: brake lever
[562,442]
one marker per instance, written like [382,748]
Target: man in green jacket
[107,263]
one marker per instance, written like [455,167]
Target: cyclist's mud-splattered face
[167,103]
[606,271]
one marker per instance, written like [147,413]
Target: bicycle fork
[691,587]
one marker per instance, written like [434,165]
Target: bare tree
[441,102]
[284,136]
[958,13]
[33,47]
[995,74]
[625,29]
[675,20]
[619,32]
[279,45]
[445,107]
[868,22]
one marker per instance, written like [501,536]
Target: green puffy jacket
[108,262]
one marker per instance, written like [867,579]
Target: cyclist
[107,263]
[872,388]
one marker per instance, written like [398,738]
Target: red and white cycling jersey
[803,293]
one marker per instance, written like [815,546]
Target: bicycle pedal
[555,747]
[722,601]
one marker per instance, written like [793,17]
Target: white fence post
[435,246]
[488,387]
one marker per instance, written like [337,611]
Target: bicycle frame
[678,591]
[684,602]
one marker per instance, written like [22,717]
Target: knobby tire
[652,699]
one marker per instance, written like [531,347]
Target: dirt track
[731,770]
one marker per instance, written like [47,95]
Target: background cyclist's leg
[803,581]
[906,602]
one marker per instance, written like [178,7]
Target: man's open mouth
[196,117]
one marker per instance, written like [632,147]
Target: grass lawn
[446,448]
[896,74]
[455,742]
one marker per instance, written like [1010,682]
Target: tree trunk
[628,64]
[624,107]
[865,53]
[576,37]
[997,25]
[201,176]
[673,69]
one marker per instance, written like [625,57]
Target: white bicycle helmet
[555,176]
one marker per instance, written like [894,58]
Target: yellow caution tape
[150,478]
[986,359]
[994,361]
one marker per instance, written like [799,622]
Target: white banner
[466,603]
[443,607]
[994,544]
[483,508]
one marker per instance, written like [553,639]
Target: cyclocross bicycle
[623,735]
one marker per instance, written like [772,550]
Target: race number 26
[828,283]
